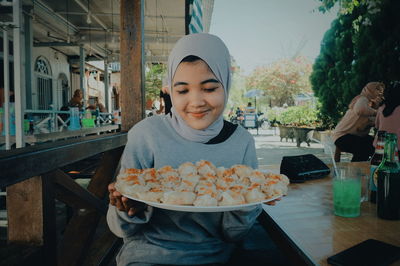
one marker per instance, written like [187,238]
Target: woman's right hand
[122,203]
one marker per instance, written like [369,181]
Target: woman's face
[197,95]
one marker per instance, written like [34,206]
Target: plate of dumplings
[201,187]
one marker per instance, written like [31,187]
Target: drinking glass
[347,192]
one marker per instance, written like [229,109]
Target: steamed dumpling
[178,198]
[205,200]
[206,167]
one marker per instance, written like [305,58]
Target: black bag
[303,167]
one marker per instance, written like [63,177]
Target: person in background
[250,108]
[388,116]
[352,132]
[164,95]
[77,99]
[199,74]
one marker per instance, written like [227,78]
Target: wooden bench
[34,182]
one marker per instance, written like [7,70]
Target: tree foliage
[282,80]
[154,75]
[352,56]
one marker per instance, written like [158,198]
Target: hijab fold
[215,54]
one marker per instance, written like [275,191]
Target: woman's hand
[122,203]
[273,203]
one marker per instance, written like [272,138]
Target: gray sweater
[169,237]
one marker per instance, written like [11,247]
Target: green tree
[362,45]
[282,80]
[332,70]
[154,75]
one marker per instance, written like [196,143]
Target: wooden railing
[34,180]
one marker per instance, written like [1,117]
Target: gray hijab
[213,51]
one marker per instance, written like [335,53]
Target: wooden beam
[49,221]
[78,237]
[82,227]
[72,194]
[104,247]
[132,63]
[105,172]
[20,164]
[25,212]
[31,216]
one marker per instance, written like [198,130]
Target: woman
[76,100]
[199,74]
[388,117]
[352,133]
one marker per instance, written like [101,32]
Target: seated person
[76,100]
[388,116]
[352,132]
[250,108]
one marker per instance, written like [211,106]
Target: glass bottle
[388,192]
[374,163]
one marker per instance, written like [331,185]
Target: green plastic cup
[347,193]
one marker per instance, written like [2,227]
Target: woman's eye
[210,89]
[182,91]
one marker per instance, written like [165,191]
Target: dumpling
[205,200]
[231,198]
[242,170]
[257,177]
[178,198]
[204,187]
[281,178]
[206,167]
[154,195]
[254,194]
[220,171]
[223,183]
[187,169]
[273,188]
[170,182]
[167,171]
[168,177]
[186,185]
[149,174]
[129,189]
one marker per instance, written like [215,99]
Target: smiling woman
[199,74]
[197,95]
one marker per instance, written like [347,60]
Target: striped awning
[196,21]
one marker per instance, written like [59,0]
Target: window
[44,83]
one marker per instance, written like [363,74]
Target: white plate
[186,208]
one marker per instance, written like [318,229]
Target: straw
[335,169]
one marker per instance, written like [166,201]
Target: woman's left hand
[273,203]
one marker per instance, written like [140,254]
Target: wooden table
[304,227]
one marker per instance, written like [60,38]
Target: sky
[259,32]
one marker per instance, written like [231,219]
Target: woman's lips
[199,115]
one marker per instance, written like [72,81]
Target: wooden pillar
[132,62]
[31,215]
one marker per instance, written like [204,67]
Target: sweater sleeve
[236,224]
[123,225]
[137,154]
[138,151]
[250,156]
[362,108]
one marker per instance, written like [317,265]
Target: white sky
[258,32]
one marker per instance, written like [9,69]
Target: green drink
[347,196]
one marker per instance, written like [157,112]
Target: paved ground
[270,149]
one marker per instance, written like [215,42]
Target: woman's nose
[197,99]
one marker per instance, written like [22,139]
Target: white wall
[59,64]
